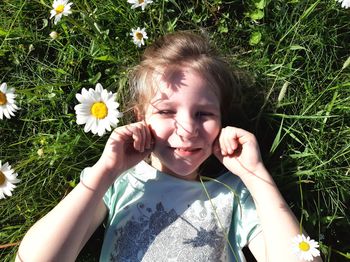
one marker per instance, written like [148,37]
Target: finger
[148,136]
[232,142]
[222,143]
[143,138]
[136,136]
[226,141]
[229,140]
[242,136]
[123,133]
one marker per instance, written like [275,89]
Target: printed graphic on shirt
[163,235]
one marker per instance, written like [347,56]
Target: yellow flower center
[59,9]
[3,99]
[304,246]
[139,36]
[141,1]
[2,178]
[99,110]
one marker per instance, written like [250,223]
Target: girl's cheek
[214,128]
[159,128]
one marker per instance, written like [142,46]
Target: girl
[166,211]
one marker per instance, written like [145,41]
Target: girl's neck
[157,164]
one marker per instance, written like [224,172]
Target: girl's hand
[238,150]
[126,146]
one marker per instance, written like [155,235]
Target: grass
[297,97]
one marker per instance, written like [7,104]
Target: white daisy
[344,3]
[138,36]
[7,180]
[7,101]
[305,247]
[137,3]
[60,8]
[97,110]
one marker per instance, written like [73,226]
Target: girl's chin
[183,174]
[185,168]
[180,169]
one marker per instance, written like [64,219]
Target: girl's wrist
[251,171]
[259,168]
[258,172]
[100,176]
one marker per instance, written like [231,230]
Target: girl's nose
[186,127]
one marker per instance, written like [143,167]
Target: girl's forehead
[183,79]
[174,77]
[183,84]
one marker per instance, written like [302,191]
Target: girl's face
[185,120]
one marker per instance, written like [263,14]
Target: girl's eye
[203,114]
[165,112]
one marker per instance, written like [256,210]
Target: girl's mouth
[186,151]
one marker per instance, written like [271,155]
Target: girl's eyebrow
[201,106]
[160,101]
[209,107]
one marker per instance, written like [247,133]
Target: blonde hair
[172,51]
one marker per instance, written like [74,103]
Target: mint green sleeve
[250,223]
[108,196]
[114,194]
[245,218]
